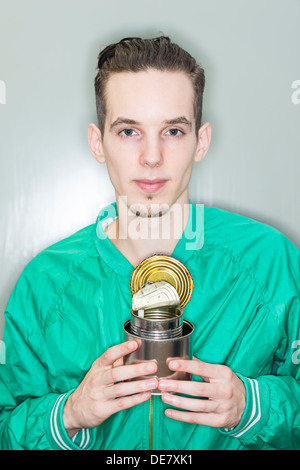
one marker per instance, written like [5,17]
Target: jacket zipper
[151,423]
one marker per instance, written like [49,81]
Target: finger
[114,353]
[118,362]
[130,388]
[193,388]
[127,372]
[128,402]
[206,419]
[197,367]
[190,404]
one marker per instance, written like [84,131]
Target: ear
[95,143]
[204,138]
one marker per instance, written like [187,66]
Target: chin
[148,207]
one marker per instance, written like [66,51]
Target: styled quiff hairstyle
[135,55]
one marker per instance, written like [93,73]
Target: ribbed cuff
[256,410]
[57,434]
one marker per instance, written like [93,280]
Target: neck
[138,237]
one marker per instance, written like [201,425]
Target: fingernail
[132,345]
[145,395]
[174,364]
[162,384]
[151,383]
[151,367]
[168,398]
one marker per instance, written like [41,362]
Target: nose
[151,153]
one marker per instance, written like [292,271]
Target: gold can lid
[163,268]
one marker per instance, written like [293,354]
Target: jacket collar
[192,238]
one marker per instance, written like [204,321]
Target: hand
[103,392]
[223,392]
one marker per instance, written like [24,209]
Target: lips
[150,186]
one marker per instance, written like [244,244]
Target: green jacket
[70,305]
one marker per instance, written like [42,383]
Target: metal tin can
[162,351]
[162,331]
[158,323]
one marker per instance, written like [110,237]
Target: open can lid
[163,268]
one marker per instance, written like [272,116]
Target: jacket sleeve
[271,419]
[31,408]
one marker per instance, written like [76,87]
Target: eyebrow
[178,120]
[121,120]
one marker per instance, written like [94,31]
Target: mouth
[150,186]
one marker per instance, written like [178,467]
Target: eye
[174,132]
[127,132]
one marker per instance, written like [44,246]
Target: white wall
[50,185]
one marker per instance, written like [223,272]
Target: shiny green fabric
[70,305]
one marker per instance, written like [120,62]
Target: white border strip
[55,431]
[53,419]
[255,398]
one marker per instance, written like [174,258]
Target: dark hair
[135,55]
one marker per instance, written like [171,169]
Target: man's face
[149,142]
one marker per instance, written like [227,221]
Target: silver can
[162,339]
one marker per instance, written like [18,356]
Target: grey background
[50,185]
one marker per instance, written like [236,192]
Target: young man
[65,385]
